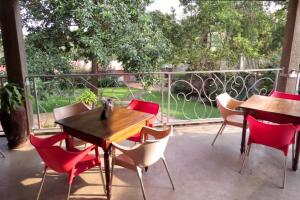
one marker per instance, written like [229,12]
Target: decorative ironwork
[183,96]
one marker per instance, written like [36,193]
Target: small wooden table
[122,124]
[264,107]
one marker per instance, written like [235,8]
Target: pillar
[14,48]
[290,58]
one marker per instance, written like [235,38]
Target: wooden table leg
[243,141]
[296,158]
[107,172]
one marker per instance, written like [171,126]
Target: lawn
[179,109]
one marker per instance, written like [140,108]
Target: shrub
[87,97]
[108,82]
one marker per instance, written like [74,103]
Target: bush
[109,82]
[181,88]
[87,97]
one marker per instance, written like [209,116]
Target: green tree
[97,31]
[225,30]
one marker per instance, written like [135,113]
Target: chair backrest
[143,106]
[226,102]
[151,151]
[283,95]
[53,156]
[278,136]
[69,110]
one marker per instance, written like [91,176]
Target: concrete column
[291,44]
[13,42]
[13,45]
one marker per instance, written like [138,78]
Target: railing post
[36,103]
[169,96]
[297,83]
[276,79]
[162,97]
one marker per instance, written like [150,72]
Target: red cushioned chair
[62,161]
[143,106]
[278,136]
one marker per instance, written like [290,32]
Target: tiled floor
[199,171]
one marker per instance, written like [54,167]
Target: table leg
[107,172]
[243,141]
[296,158]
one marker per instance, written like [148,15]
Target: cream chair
[145,154]
[70,110]
[231,116]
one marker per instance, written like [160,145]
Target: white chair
[145,154]
[231,116]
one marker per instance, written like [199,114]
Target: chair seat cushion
[235,120]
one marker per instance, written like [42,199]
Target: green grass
[191,109]
[122,93]
[181,109]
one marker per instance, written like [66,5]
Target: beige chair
[70,110]
[145,154]
[231,116]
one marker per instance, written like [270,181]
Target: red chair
[283,95]
[278,136]
[143,106]
[62,161]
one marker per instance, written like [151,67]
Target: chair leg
[293,151]
[222,128]
[246,154]
[284,172]
[2,154]
[41,185]
[219,132]
[139,172]
[69,190]
[102,178]
[112,166]
[166,166]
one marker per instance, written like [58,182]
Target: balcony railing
[184,97]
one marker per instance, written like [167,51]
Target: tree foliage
[213,31]
[96,30]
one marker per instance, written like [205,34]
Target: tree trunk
[94,79]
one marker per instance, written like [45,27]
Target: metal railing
[184,97]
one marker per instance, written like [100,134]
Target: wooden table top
[273,105]
[121,122]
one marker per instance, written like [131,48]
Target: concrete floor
[199,171]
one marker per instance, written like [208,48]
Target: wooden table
[122,124]
[272,109]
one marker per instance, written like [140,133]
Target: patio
[199,171]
